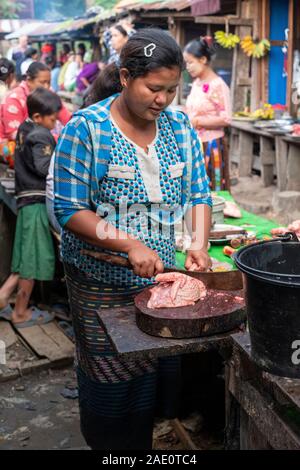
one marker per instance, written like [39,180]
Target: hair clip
[148,50]
[3,69]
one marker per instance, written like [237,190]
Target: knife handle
[108,258]
[116,260]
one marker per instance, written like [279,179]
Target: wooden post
[245,153]
[265,32]
[176,29]
[290,55]
[281,162]
[242,83]
[267,155]
[242,65]
[232,412]
[255,72]
[293,167]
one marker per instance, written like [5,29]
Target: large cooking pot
[271,272]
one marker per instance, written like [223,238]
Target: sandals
[38,317]
[6,312]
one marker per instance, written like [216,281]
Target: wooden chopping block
[218,312]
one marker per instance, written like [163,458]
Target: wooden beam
[256,65]
[238,8]
[234,21]
[175,27]
[183,435]
[290,56]
[265,60]
[164,14]
[244,81]
[277,42]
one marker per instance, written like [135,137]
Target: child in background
[33,253]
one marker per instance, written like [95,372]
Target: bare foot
[3,302]
[26,315]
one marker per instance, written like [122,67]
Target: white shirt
[50,179]
[25,65]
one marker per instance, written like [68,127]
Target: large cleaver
[227,280]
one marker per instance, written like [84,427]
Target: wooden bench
[288,163]
[243,138]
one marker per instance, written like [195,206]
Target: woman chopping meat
[118,164]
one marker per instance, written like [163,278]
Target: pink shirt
[14,111]
[209,99]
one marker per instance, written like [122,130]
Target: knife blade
[228,280]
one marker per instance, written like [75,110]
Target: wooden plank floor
[47,341]
[34,348]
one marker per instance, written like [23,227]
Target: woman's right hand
[145,262]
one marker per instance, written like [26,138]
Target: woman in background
[31,55]
[115,38]
[209,109]
[7,82]
[14,109]
[7,77]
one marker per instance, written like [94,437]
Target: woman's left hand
[198,260]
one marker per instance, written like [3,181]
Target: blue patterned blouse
[98,168]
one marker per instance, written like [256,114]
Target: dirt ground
[252,196]
[35,415]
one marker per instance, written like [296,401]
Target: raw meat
[279,231]
[176,290]
[232,210]
[296,130]
[293,227]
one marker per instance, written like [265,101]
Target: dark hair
[121,30]
[66,48]
[50,60]
[6,69]
[43,101]
[81,45]
[167,53]
[30,52]
[35,68]
[200,48]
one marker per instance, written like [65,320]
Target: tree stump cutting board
[218,312]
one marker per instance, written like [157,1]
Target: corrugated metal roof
[56,28]
[139,5]
[9,26]
[26,29]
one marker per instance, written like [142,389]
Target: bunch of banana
[266,112]
[226,40]
[255,49]
[261,48]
